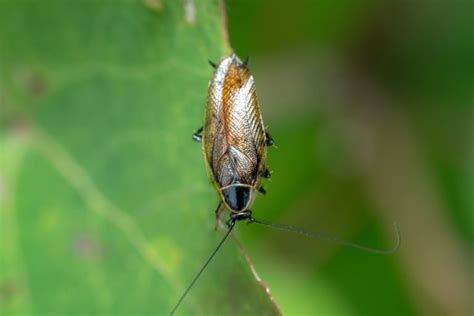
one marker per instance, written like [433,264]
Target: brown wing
[234,137]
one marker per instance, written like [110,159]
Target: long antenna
[322,236]
[231,226]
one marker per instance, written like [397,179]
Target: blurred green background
[370,104]
[105,207]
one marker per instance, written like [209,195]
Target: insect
[234,138]
[234,142]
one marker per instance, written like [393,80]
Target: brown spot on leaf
[33,82]
[154,5]
[8,290]
[86,246]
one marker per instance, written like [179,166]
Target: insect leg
[213,64]
[269,139]
[197,136]
[219,210]
[246,61]
[262,190]
[266,174]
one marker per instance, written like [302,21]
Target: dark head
[237,197]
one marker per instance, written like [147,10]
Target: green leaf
[106,208]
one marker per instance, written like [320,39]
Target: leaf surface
[106,208]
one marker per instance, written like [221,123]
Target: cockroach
[233,138]
[234,142]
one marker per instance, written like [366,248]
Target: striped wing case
[234,135]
